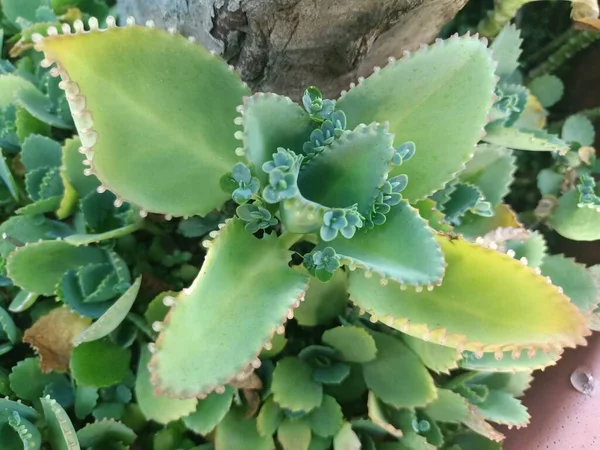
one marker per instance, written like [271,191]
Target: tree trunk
[285,45]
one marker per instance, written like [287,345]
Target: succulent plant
[346,245]
[339,184]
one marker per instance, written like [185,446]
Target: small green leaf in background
[293,386]
[579,129]
[577,283]
[326,420]
[548,89]
[393,357]
[61,432]
[346,439]
[210,411]
[269,418]
[99,363]
[236,432]
[294,434]
[154,407]
[354,344]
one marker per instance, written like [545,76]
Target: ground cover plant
[201,267]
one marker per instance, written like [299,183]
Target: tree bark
[285,45]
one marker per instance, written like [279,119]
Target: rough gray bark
[284,45]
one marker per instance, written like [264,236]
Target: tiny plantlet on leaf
[234,270]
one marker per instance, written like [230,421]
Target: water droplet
[582,379]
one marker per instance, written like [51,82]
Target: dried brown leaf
[52,335]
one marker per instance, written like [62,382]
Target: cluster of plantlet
[205,268]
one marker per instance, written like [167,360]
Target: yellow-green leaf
[487,302]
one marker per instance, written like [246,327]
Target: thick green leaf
[402,249]
[14,10]
[40,152]
[514,384]
[7,178]
[378,416]
[277,344]
[346,439]
[72,165]
[158,407]
[112,318]
[272,121]
[326,420]
[445,128]
[28,381]
[294,434]
[105,433]
[46,205]
[577,283]
[236,432]
[86,399]
[504,409]
[86,239]
[463,198]
[508,363]
[99,363]
[320,443]
[482,292]
[533,249]
[10,84]
[8,329]
[23,301]
[209,412]
[438,358]
[448,407]
[335,373]
[44,183]
[381,375]
[293,386]
[60,429]
[26,124]
[523,139]
[573,222]
[472,225]
[41,108]
[269,418]
[355,344]
[39,267]
[506,49]
[227,315]
[182,135]
[28,229]
[350,170]
[491,170]
[549,182]
[351,388]
[324,302]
